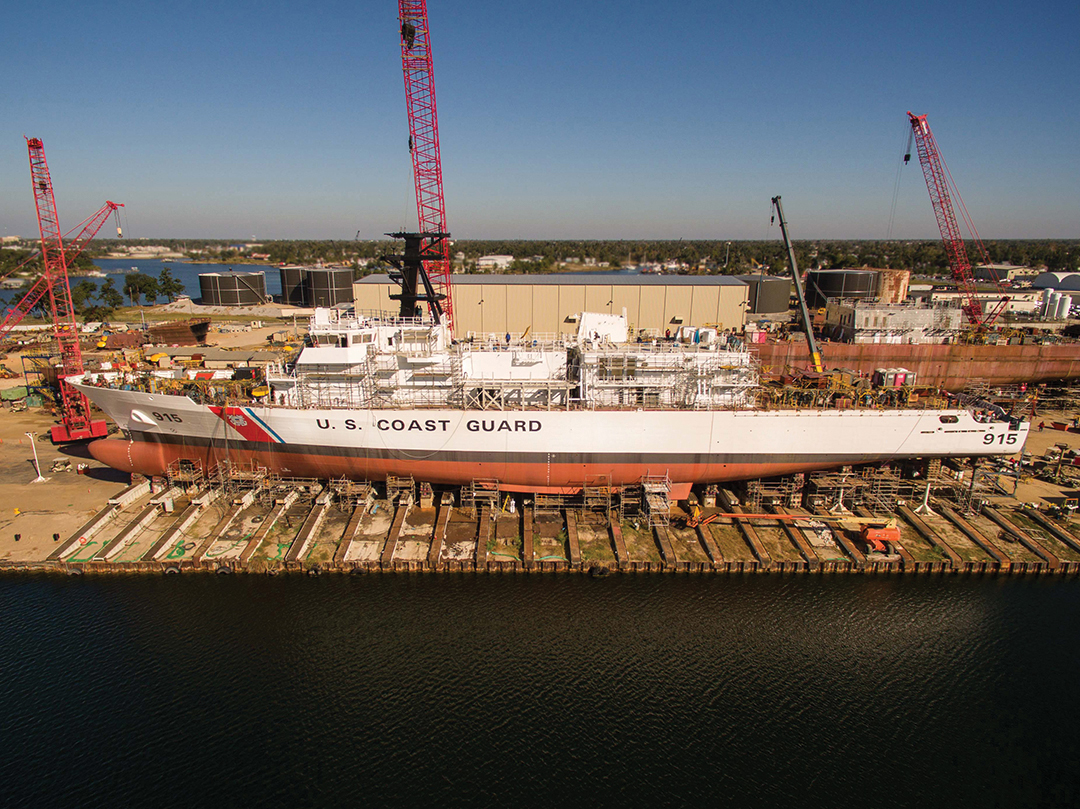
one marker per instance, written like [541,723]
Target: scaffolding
[657,489]
[397,489]
[186,474]
[666,376]
[275,487]
[630,498]
[232,477]
[784,491]
[553,505]
[352,493]
[968,493]
[479,493]
[834,490]
[885,487]
[596,494]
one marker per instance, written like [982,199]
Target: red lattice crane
[424,146]
[938,183]
[76,422]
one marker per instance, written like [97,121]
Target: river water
[443,690]
[184,271]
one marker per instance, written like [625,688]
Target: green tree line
[713,256]
[92,302]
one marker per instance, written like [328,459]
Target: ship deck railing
[350,392]
[520,342]
[363,318]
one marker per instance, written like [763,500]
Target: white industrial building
[1020,303]
[494,262]
[1060,281]
[1003,272]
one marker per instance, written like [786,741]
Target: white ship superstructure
[402,363]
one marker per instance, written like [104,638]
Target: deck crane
[938,183]
[430,248]
[76,423]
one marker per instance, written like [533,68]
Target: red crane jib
[424,141]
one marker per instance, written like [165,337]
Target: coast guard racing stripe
[245,422]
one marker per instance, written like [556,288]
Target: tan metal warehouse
[496,304]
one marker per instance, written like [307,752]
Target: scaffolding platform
[397,488]
[657,490]
[481,492]
[786,491]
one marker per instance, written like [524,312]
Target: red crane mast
[938,183]
[424,145]
[74,408]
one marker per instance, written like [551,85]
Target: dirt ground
[61,504]
[1038,442]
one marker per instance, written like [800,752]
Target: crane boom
[90,228]
[417,67]
[815,354]
[938,184]
[74,407]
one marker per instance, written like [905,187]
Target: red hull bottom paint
[154,460]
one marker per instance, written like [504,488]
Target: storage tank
[1063,304]
[294,286]
[1051,306]
[766,293]
[329,287]
[824,284]
[1044,304]
[233,288]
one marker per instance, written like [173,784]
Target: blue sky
[564,120]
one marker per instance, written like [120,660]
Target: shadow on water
[532,690]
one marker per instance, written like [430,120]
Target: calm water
[539,691]
[185,272]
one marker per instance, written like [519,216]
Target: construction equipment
[698,517]
[75,423]
[876,533]
[434,245]
[938,183]
[815,354]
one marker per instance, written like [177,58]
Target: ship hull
[558,450]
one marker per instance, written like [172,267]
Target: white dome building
[1060,281]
